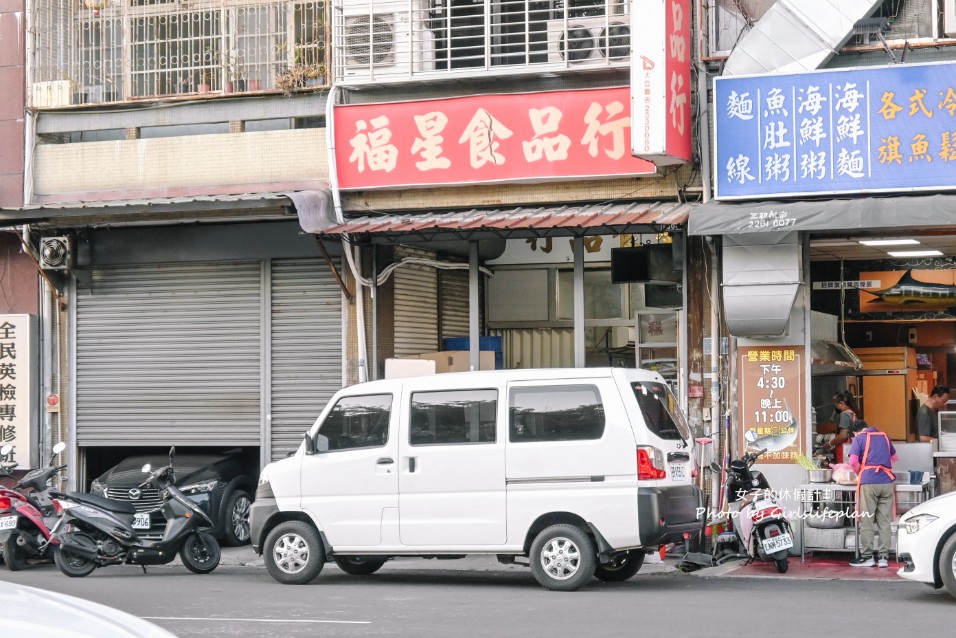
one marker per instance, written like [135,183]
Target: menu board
[771,401]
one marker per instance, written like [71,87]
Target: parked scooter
[95,532]
[26,516]
[760,524]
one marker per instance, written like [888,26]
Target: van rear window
[661,411]
[556,413]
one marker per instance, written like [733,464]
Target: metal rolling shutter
[416,308]
[306,348]
[454,304]
[169,354]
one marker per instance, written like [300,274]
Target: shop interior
[887,336]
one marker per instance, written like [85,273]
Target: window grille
[96,51]
[398,40]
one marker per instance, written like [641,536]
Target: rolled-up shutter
[454,304]
[306,348]
[416,306]
[169,354]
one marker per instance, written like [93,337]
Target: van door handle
[384,461]
[411,464]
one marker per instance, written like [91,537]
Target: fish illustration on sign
[909,290]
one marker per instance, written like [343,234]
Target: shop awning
[850,215]
[519,222]
[243,207]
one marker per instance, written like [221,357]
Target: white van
[580,471]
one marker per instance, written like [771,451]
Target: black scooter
[95,532]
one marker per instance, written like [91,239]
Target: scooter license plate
[777,543]
[8,522]
[141,521]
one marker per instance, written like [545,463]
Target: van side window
[556,413]
[455,416]
[356,422]
[661,410]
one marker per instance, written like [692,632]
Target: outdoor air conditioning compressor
[56,253]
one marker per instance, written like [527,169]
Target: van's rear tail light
[5,502]
[650,463]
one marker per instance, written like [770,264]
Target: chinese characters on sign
[660,81]
[16,386]
[772,399]
[491,138]
[872,129]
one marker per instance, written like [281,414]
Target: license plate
[678,471]
[8,522]
[141,521]
[777,543]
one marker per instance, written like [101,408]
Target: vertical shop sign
[17,356]
[660,81]
[772,395]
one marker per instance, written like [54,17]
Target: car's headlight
[199,488]
[97,488]
[918,522]
[263,477]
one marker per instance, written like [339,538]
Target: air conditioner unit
[949,18]
[56,253]
[51,94]
[391,40]
[620,337]
[581,40]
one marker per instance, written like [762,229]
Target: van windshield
[661,411]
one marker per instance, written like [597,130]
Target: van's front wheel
[293,553]
[562,558]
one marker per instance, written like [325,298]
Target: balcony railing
[95,51]
[400,40]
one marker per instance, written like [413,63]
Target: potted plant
[205,81]
[300,76]
[233,73]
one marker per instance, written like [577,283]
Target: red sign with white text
[660,81]
[489,138]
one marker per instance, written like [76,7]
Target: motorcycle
[95,532]
[26,516]
[760,524]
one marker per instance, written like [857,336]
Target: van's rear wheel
[358,566]
[293,553]
[621,567]
[562,558]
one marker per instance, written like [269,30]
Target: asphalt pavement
[477,596]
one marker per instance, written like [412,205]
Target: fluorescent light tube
[915,253]
[888,242]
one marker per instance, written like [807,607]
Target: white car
[926,543]
[39,613]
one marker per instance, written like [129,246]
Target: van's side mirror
[309,444]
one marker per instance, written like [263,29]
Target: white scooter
[759,520]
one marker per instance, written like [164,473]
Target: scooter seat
[120,507]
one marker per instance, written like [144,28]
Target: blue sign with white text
[843,131]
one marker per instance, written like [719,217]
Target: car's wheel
[293,553]
[236,519]
[357,566]
[200,555]
[947,565]
[71,565]
[621,567]
[14,555]
[562,558]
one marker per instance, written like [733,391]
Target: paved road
[430,598]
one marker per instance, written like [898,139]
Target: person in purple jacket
[872,457]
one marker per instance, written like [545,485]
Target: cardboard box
[398,368]
[459,360]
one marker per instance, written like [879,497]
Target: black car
[221,484]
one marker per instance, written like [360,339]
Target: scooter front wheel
[200,553]
[72,565]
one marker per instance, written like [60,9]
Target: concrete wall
[178,166]
[12,82]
